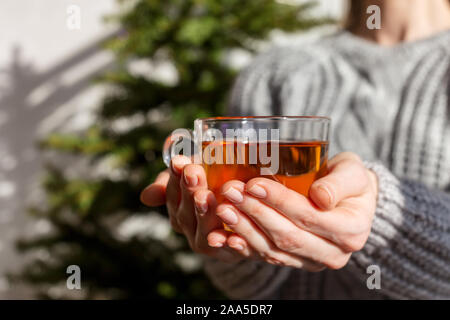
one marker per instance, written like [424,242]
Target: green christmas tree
[88,215]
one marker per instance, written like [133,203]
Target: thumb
[347,177]
[155,194]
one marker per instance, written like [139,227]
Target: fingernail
[234,195]
[202,207]
[228,216]
[216,245]
[257,191]
[191,180]
[327,192]
[238,247]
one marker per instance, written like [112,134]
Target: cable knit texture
[391,106]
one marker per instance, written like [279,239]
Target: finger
[178,163]
[300,209]
[173,193]
[285,234]
[247,229]
[241,246]
[347,177]
[155,194]
[207,221]
[193,179]
[219,238]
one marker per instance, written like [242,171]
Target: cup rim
[256,118]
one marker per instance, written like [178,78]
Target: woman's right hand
[191,207]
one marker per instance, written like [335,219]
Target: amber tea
[299,163]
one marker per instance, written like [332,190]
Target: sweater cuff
[408,239]
[386,215]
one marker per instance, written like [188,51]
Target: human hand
[191,207]
[286,228]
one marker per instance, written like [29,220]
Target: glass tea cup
[292,150]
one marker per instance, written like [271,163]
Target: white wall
[45,68]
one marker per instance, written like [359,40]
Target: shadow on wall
[27,99]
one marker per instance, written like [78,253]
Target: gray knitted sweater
[392,107]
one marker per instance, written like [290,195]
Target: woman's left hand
[286,228]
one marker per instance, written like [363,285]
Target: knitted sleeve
[410,239]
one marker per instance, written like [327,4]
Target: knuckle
[257,210]
[309,220]
[288,242]
[353,243]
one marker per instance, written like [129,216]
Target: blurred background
[88,92]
